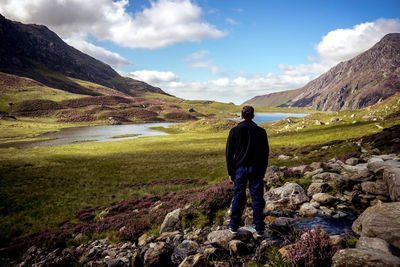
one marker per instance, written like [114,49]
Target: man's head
[247,112]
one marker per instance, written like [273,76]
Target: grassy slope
[15,89]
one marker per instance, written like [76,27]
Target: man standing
[247,159]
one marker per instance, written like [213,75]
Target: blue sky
[228,51]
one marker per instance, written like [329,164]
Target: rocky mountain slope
[354,84]
[36,52]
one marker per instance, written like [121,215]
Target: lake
[94,134]
[112,132]
[268,117]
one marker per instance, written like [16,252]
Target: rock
[172,221]
[378,188]
[197,260]
[238,248]
[362,176]
[324,198]
[355,257]
[326,211]
[282,225]
[317,122]
[142,240]
[220,238]
[334,119]
[113,121]
[336,241]
[272,176]
[322,177]
[382,221]
[299,169]
[283,157]
[373,243]
[308,175]
[315,188]
[158,255]
[289,196]
[307,210]
[186,248]
[352,161]
[392,178]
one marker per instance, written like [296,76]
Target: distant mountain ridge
[36,52]
[372,76]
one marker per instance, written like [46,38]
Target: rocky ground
[366,186]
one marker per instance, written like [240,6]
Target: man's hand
[231,179]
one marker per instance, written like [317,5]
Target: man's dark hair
[248,112]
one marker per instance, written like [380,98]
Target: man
[247,159]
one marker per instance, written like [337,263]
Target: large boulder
[172,221]
[391,176]
[382,221]
[289,196]
[364,257]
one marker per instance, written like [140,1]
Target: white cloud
[197,55]
[231,21]
[235,90]
[164,23]
[153,77]
[111,58]
[196,60]
[343,44]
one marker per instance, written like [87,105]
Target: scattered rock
[324,198]
[315,188]
[172,221]
[283,157]
[186,248]
[307,210]
[378,187]
[197,260]
[158,255]
[272,176]
[289,196]
[352,161]
[283,225]
[373,243]
[238,248]
[220,238]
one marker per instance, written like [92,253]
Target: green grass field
[42,186]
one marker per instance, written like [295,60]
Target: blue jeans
[256,185]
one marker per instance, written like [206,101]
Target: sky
[228,51]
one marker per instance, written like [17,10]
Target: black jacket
[247,145]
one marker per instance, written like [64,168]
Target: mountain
[36,52]
[357,83]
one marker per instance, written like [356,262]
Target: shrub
[312,249]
